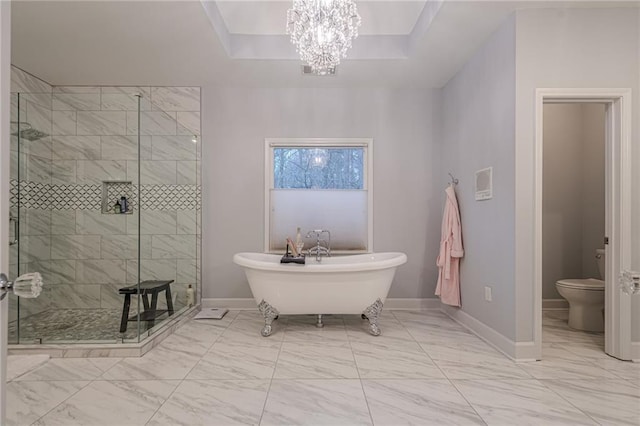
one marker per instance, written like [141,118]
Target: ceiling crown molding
[279,47]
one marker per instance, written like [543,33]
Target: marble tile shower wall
[84,254]
[94,140]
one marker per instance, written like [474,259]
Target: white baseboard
[411,304]
[518,351]
[635,351]
[390,303]
[525,352]
[554,304]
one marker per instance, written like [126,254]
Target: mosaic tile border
[45,196]
[168,197]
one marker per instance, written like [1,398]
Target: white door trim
[618,206]
[5,143]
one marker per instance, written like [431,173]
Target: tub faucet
[319,249]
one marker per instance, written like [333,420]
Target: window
[319,184]
[318,168]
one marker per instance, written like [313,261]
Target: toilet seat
[582,284]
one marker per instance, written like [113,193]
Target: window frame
[367,181]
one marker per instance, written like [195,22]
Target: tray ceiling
[269,17]
[242,43]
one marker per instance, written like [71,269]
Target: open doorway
[573,227]
[616,244]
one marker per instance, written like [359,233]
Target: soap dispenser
[191,296]
[124,206]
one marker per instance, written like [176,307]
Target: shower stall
[105,204]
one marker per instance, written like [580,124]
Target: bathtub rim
[271,262]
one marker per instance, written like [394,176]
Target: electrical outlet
[487,294]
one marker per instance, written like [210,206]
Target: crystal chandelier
[322,31]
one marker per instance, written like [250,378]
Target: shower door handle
[27,285]
[16,228]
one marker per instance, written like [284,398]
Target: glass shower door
[29,214]
[71,161]
[14,208]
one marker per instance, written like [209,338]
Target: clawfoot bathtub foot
[270,313]
[372,313]
[266,330]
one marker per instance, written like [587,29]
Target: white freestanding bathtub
[355,284]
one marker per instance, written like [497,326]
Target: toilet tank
[600,262]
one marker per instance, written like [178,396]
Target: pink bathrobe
[451,251]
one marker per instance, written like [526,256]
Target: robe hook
[454,181]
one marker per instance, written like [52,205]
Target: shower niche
[117,197]
[76,151]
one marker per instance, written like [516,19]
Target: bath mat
[211,313]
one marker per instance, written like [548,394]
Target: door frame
[618,209]
[5,155]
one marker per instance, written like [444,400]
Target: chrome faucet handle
[319,249]
[317,232]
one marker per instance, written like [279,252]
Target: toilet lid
[584,284]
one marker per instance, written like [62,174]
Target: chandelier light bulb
[322,31]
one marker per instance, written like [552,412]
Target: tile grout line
[164,402]
[466,400]
[501,355]
[181,381]
[542,382]
[442,371]
[275,365]
[89,382]
[355,362]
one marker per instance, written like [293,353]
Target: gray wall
[538,48]
[407,182]
[573,192]
[478,131]
[487,120]
[569,48]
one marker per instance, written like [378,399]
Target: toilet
[586,299]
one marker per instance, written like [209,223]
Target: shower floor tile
[73,325]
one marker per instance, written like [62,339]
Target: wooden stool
[151,312]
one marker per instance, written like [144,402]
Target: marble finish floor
[76,326]
[425,369]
